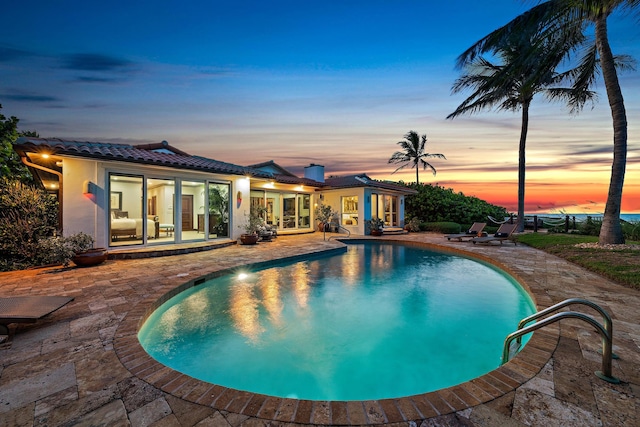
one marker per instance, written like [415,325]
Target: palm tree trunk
[522,163]
[611,231]
[417,167]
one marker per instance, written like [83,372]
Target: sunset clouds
[299,83]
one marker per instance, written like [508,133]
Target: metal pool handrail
[606,332]
[339,227]
[608,324]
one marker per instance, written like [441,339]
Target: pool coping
[493,385]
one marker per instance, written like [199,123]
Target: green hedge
[441,227]
[438,204]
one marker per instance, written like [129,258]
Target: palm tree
[512,84]
[569,17]
[413,153]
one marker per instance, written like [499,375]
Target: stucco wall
[81,209]
[239,206]
[333,198]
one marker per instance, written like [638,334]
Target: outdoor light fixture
[88,187]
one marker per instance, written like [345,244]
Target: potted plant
[84,254]
[252,225]
[324,214]
[76,247]
[375,226]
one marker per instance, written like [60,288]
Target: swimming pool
[379,321]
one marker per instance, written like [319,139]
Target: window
[350,210]
[284,210]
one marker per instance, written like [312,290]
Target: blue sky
[333,82]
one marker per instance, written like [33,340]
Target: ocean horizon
[629,217]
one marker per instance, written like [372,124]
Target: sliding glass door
[127,225]
[161,195]
[219,207]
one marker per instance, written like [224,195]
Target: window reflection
[244,310]
[270,287]
[300,283]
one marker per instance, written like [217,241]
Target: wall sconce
[88,187]
[239,198]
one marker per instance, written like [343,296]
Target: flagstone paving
[82,365]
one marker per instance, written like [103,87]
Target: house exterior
[154,194]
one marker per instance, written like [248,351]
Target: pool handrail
[608,324]
[338,226]
[606,332]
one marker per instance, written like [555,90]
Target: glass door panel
[273,213]
[160,209]
[289,211]
[390,210]
[126,223]
[219,210]
[192,217]
[304,211]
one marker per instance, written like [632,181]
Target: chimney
[315,172]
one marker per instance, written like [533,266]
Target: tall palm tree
[413,154]
[513,83]
[565,16]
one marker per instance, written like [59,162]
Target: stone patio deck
[83,366]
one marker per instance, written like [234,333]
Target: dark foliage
[27,216]
[438,204]
[10,164]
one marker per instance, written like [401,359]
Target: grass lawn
[621,266]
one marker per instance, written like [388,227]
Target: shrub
[55,251]
[441,227]
[631,230]
[413,225]
[27,215]
[590,227]
[437,204]
[60,250]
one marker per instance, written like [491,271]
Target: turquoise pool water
[379,321]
